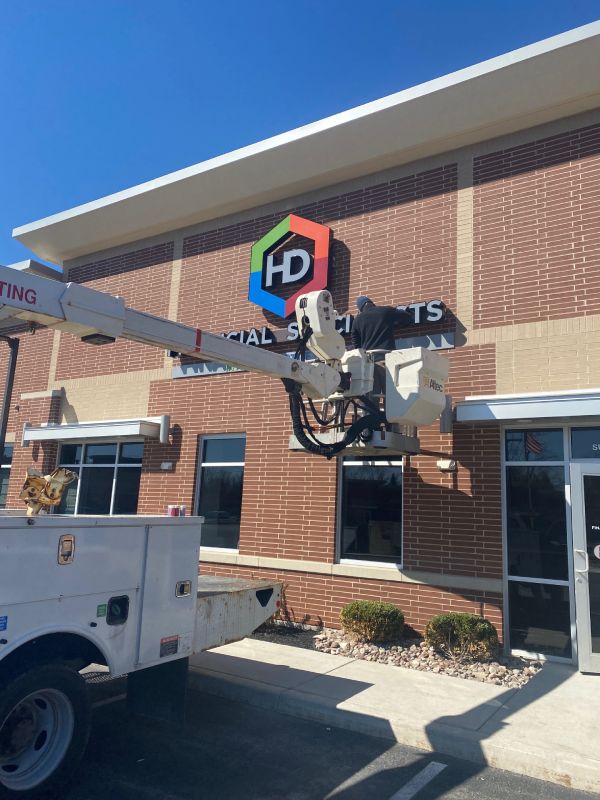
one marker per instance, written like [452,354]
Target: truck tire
[45,719]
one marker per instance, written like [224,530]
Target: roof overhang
[144,427]
[548,80]
[529,407]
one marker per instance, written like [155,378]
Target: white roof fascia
[551,79]
[545,405]
[145,427]
[35,268]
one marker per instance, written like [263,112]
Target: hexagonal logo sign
[276,269]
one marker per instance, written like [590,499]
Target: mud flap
[159,692]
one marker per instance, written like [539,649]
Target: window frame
[7,466]
[82,465]
[198,488]
[543,425]
[372,462]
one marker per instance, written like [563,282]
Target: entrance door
[585,483]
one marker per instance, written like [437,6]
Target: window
[109,477]
[5,472]
[539,616]
[371,513]
[221,481]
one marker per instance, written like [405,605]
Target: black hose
[320,448]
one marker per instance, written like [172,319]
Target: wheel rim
[34,737]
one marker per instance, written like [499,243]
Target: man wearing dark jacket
[373,328]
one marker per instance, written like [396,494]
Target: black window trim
[118,441]
[200,465]
[365,562]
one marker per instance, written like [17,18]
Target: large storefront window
[371,514]
[109,477]
[5,465]
[537,542]
[221,481]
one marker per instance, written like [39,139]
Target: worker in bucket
[373,330]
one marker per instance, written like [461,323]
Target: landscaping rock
[510,673]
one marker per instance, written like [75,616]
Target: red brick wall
[452,522]
[288,508]
[536,237]
[42,455]
[143,279]
[315,599]
[399,236]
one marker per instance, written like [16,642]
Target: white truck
[124,592]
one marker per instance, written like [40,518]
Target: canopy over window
[146,427]
[529,407]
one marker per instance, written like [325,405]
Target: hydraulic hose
[320,448]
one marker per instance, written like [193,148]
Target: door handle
[587,561]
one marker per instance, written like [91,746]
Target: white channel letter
[285,268]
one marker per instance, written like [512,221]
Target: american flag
[533,445]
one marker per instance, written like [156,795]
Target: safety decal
[101,610]
[3,623]
[169,646]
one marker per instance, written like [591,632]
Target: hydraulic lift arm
[100,318]
[413,380]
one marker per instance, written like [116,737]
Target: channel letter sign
[288,268]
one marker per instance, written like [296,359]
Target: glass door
[585,482]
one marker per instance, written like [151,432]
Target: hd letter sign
[273,268]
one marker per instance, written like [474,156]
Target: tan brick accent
[101,397]
[464,245]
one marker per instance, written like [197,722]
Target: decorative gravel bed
[512,673]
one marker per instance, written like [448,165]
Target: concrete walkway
[550,729]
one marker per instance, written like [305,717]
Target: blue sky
[99,95]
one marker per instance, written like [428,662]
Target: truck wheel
[45,717]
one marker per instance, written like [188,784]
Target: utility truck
[124,591]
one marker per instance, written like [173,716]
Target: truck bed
[228,609]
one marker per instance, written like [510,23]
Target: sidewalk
[547,730]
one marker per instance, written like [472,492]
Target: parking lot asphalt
[228,750]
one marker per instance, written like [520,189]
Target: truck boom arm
[414,378]
[99,318]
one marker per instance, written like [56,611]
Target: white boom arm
[414,378]
[89,313]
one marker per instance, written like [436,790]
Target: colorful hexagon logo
[294,269]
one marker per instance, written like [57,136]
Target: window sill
[381,572]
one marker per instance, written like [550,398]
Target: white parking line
[421,779]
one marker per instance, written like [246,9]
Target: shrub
[462,636]
[372,621]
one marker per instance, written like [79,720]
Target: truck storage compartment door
[50,557]
[169,591]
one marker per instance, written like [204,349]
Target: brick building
[480,190]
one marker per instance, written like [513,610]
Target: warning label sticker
[3,623]
[169,646]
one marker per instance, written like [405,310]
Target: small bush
[372,621]
[462,636]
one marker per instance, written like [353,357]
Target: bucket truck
[124,591]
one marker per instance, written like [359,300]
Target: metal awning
[528,407]
[144,427]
